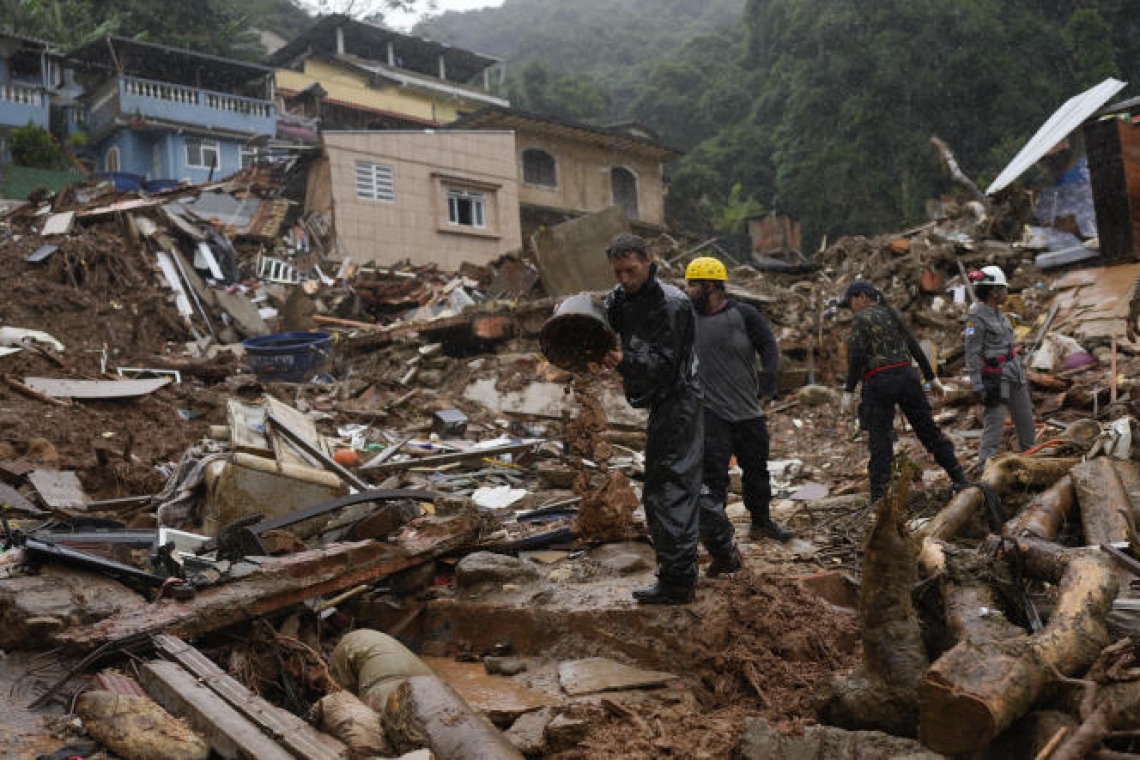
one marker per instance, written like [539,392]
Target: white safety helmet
[991,275]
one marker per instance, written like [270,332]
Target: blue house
[29,75]
[167,114]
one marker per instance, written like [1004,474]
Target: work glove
[937,386]
[846,404]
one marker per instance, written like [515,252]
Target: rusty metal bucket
[578,333]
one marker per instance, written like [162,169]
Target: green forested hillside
[820,108]
[612,43]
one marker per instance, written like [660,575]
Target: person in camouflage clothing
[880,350]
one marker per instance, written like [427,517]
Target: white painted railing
[28,96]
[190,96]
[237,104]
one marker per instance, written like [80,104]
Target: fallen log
[883,693]
[1004,474]
[417,708]
[1043,517]
[1102,498]
[280,582]
[977,689]
[973,614]
[425,711]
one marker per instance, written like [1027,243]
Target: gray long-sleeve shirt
[727,345]
[989,335]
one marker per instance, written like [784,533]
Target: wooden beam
[290,731]
[229,733]
[281,582]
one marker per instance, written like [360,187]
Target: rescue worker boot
[769,528]
[663,593]
[726,565]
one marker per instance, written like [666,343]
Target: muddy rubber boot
[769,529]
[725,565]
[660,594]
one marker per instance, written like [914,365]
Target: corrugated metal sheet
[1067,118]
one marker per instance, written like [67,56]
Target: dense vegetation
[820,108]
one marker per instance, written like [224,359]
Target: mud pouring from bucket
[578,334]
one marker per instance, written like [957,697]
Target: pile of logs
[956,653]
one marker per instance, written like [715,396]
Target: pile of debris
[417,467]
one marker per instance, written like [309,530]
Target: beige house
[423,196]
[576,169]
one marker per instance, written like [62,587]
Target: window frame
[118,160]
[368,188]
[476,201]
[539,181]
[203,146]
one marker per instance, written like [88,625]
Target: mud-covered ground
[772,648]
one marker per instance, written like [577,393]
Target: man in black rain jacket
[656,324]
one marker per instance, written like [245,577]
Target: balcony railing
[20,104]
[185,105]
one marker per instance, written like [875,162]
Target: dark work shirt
[656,326]
[728,343]
[879,337]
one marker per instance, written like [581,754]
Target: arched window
[539,168]
[623,184]
[111,160]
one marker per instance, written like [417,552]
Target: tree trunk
[426,712]
[883,693]
[1044,515]
[1101,494]
[976,690]
[1005,474]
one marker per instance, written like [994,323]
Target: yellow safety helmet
[706,268]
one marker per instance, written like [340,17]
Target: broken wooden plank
[281,582]
[279,425]
[290,731]
[229,733]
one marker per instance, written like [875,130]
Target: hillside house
[423,196]
[168,114]
[32,76]
[354,75]
[567,169]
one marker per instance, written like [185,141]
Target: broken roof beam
[281,582]
[290,731]
[231,735]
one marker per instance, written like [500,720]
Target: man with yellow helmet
[730,335]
